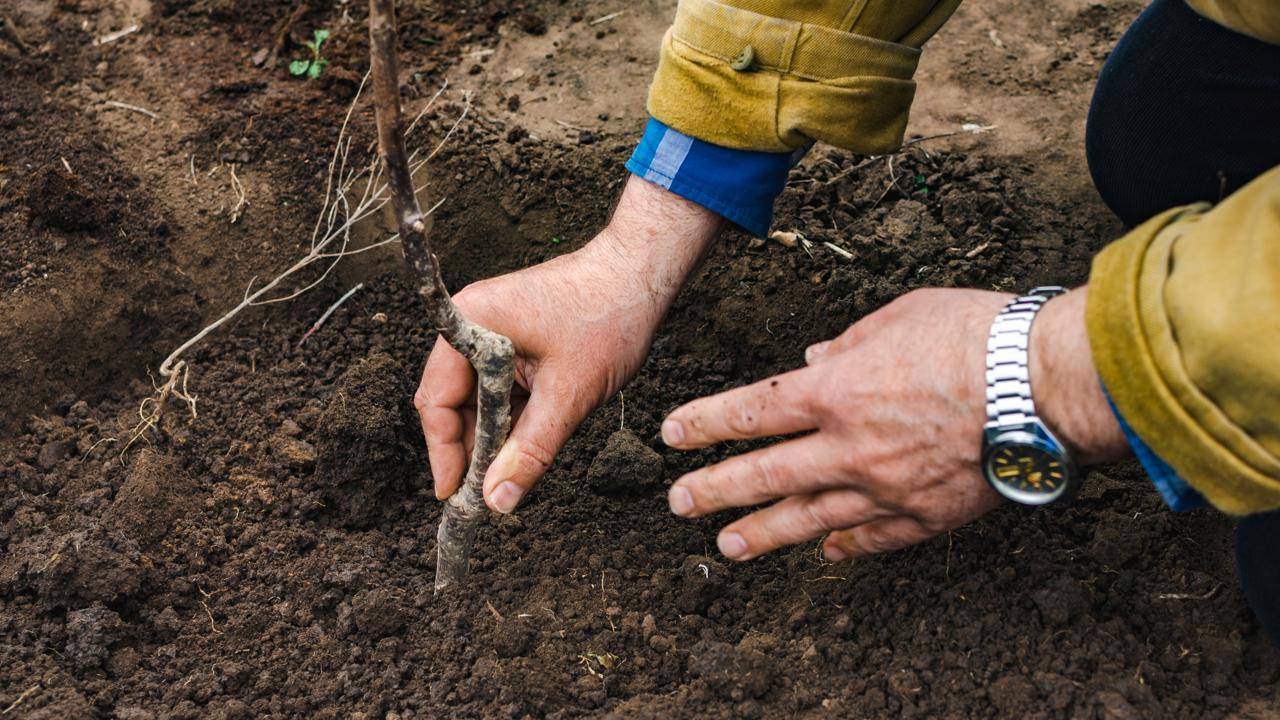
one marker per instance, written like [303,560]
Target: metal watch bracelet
[1009,400]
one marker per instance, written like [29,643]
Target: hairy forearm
[1069,394]
[656,239]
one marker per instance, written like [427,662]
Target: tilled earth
[273,555]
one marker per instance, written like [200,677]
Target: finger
[891,533]
[468,433]
[796,519]
[776,406]
[858,332]
[816,352]
[448,384]
[548,420]
[795,467]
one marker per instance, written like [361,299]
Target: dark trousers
[1186,110]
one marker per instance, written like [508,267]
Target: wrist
[1065,384]
[654,241]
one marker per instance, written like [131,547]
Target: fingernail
[672,432]
[834,553]
[731,544]
[506,497]
[680,500]
[816,351]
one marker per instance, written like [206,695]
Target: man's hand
[894,410]
[581,325]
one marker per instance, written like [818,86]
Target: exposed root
[352,193]
[237,210]
[25,694]
[151,408]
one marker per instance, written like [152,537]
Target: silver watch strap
[1009,400]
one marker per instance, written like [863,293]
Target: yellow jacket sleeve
[778,74]
[1184,322]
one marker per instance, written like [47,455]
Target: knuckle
[436,423]
[764,539]
[709,491]
[742,419]
[874,539]
[818,514]
[535,456]
[765,470]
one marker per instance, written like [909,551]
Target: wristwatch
[1021,458]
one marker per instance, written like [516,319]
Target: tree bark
[491,354]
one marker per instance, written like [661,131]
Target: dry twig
[25,694]
[112,37]
[134,108]
[491,354]
[316,326]
[606,18]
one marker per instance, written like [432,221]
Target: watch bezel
[1034,435]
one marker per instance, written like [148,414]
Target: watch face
[1026,473]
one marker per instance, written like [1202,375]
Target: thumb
[542,430]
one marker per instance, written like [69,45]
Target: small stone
[379,318]
[660,643]
[586,137]
[289,428]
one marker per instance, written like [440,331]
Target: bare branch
[490,354]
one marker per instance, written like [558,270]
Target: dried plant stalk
[491,354]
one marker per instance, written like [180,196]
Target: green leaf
[314,71]
[555,241]
[299,67]
[320,36]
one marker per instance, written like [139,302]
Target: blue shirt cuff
[739,185]
[1177,493]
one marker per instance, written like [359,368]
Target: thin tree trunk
[491,354]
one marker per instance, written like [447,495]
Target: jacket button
[745,59]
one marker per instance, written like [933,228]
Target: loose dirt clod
[366,444]
[624,465]
[62,199]
[155,494]
[89,632]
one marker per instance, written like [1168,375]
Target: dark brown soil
[273,556]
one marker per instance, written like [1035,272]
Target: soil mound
[368,448]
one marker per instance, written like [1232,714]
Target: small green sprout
[921,187]
[555,241]
[312,67]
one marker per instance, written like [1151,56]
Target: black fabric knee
[1185,110]
[1258,563]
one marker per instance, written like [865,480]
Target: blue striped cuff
[1177,493]
[739,185]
